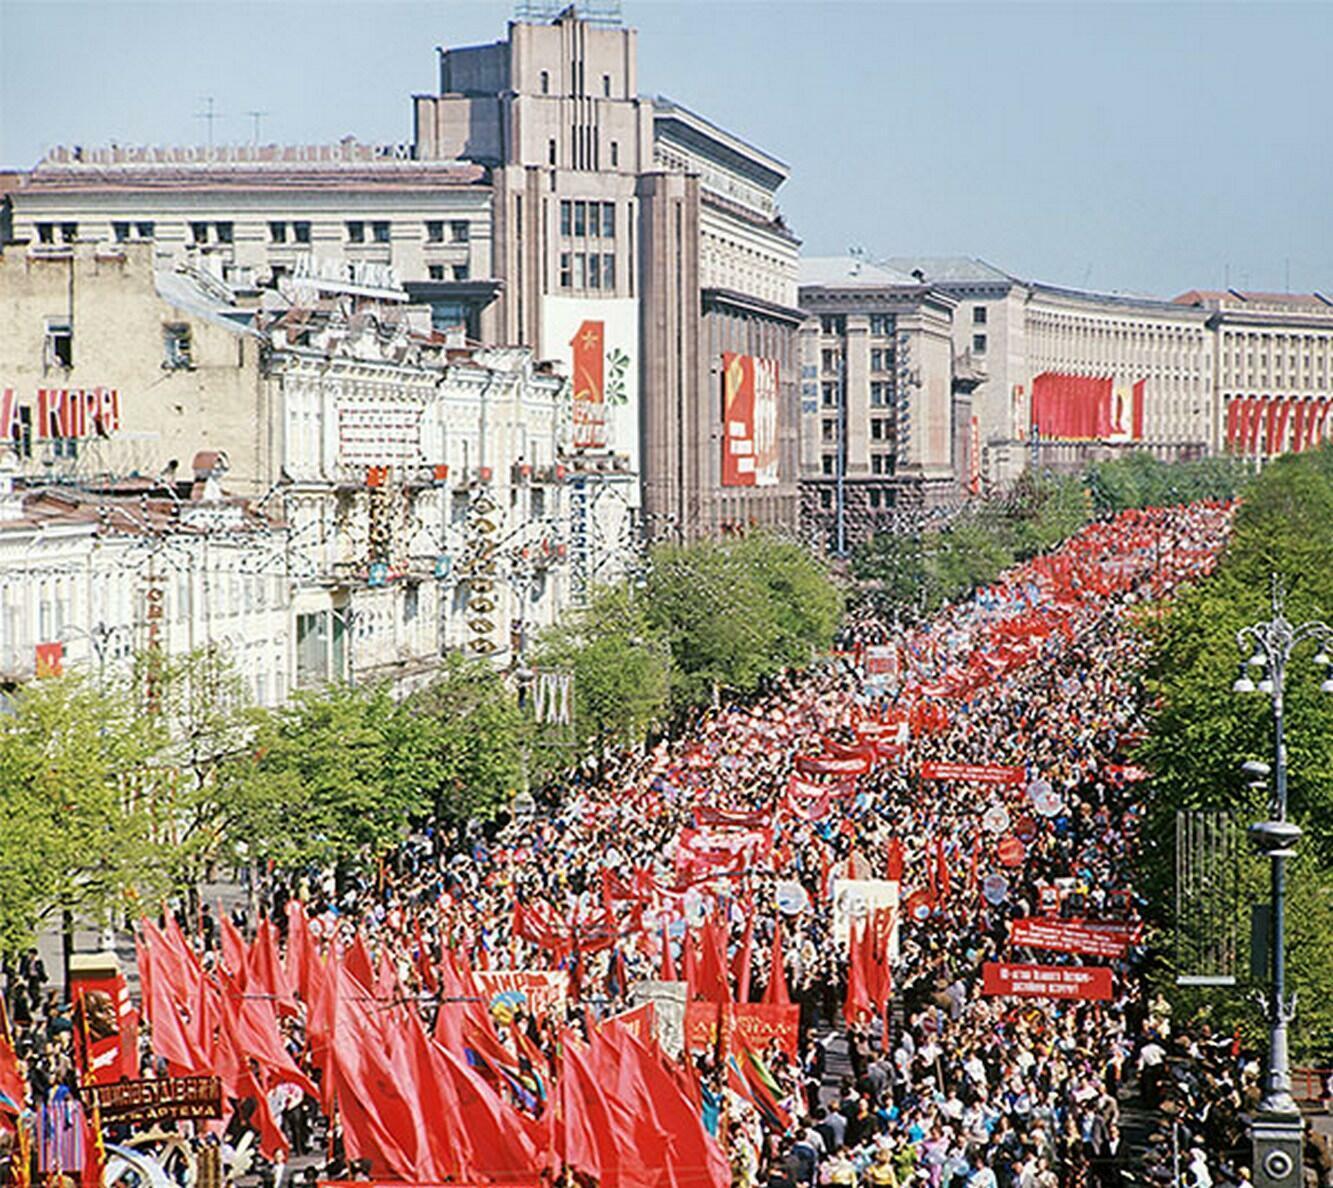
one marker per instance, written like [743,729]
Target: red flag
[858,995]
[744,960]
[942,880]
[713,985]
[775,993]
[357,963]
[894,872]
[668,959]
[233,948]
[265,973]
[12,1088]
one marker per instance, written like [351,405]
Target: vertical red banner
[589,359]
[738,446]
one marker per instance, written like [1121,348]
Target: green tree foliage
[1202,733]
[77,805]
[621,665]
[324,781]
[915,574]
[1141,480]
[459,742]
[736,612]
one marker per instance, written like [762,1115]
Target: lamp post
[1278,1125]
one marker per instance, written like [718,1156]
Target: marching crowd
[950,1086]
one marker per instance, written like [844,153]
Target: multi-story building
[1273,369]
[543,203]
[1068,375]
[640,244]
[880,430]
[251,214]
[91,575]
[422,481]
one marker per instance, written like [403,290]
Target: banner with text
[1001,978]
[1091,938]
[976,773]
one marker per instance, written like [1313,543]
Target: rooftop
[849,272]
[701,134]
[949,269]
[1238,299]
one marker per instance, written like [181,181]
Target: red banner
[589,404]
[976,773]
[757,1023]
[1001,978]
[701,854]
[831,765]
[1092,938]
[749,421]
[705,815]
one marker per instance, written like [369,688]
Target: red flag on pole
[775,993]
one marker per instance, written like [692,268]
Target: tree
[79,799]
[323,781]
[1201,734]
[736,612]
[460,742]
[621,668]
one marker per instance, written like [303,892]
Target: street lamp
[1278,1125]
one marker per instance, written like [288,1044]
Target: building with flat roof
[641,245]
[883,420]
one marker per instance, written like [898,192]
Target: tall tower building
[641,245]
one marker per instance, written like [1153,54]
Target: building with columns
[1068,375]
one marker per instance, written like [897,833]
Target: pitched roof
[946,269]
[849,272]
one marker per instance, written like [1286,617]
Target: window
[121,231]
[461,272]
[615,154]
[199,232]
[580,218]
[876,429]
[546,82]
[829,359]
[873,496]
[312,647]
[881,324]
[608,220]
[69,232]
[827,428]
[566,271]
[410,603]
[435,271]
[301,232]
[277,233]
[826,464]
[879,395]
[225,232]
[537,503]
[594,270]
[176,345]
[594,218]
[876,360]
[830,395]
[460,230]
[550,151]
[565,214]
[978,315]
[381,231]
[580,270]
[826,500]
[606,86]
[435,231]
[979,343]
[833,324]
[876,463]
[59,343]
[145,230]
[608,271]
[46,233]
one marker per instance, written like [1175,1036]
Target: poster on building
[749,421]
[534,991]
[596,342]
[1004,979]
[1087,407]
[855,900]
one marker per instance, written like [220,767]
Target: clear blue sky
[1144,147]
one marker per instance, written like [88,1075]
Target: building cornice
[745,303]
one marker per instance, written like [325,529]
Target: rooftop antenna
[258,117]
[209,116]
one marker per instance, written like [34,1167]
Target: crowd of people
[949,1087]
